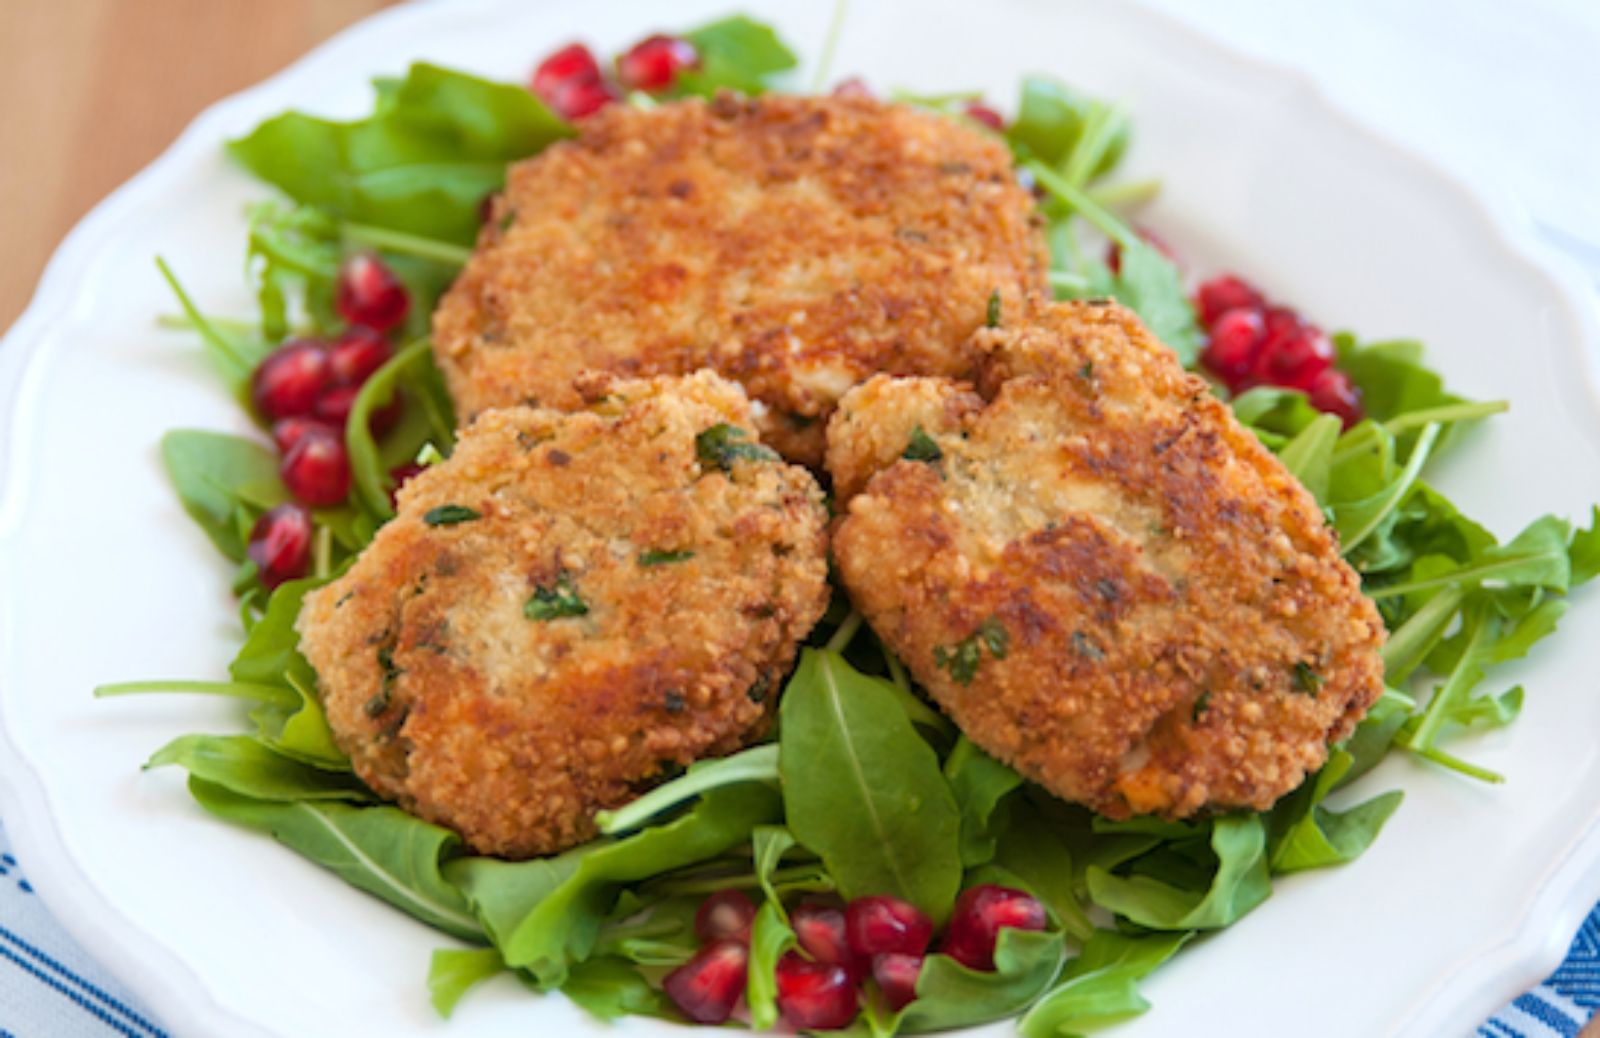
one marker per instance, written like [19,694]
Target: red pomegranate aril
[885,925]
[983,114]
[897,978]
[1333,391]
[820,930]
[280,544]
[317,470]
[1295,359]
[818,996]
[653,63]
[1235,345]
[708,986]
[573,63]
[289,380]
[369,294]
[286,432]
[356,354]
[578,99]
[979,916]
[1223,293]
[725,916]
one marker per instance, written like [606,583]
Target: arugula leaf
[863,790]
[1306,835]
[1309,456]
[422,162]
[242,765]
[1239,883]
[1101,986]
[381,850]
[453,972]
[224,482]
[949,995]
[1058,124]
[1032,853]
[757,764]
[737,53]
[609,987]
[770,937]
[979,783]
[235,355]
[561,926]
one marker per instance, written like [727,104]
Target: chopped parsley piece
[1084,645]
[992,319]
[922,447]
[962,658]
[662,558]
[723,444]
[379,703]
[553,603]
[1201,705]
[450,515]
[1307,680]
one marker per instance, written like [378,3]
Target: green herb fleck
[723,444]
[553,603]
[1201,705]
[379,703]
[962,659]
[922,448]
[992,319]
[1307,680]
[450,515]
[1087,371]
[507,218]
[662,558]
[1084,645]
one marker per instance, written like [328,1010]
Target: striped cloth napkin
[51,988]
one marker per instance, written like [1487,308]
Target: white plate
[1468,897]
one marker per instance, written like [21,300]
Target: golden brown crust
[794,244]
[1179,631]
[513,730]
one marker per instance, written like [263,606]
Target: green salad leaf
[455,971]
[1101,986]
[737,53]
[224,482]
[422,162]
[863,790]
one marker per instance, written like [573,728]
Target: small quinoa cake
[1106,581]
[569,609]
[796,245]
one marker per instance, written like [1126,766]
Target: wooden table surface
[97,88]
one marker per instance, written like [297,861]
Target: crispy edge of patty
[797,245]
[454,699]
[1180,632]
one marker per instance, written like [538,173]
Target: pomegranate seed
[1150,238]
[708,986]
[486,206]
[855,87]
[280,544]
[286,432]
[580,98]
[573,63]
[289,380]
[820,931]
[316,470]
[979,916]
[333,409]
[886,925]
[1235,344]
[1333,391]
[399,476]
[369,294]
[1221,294]
[982,113]
[1293,352]
[897,978]
[356,354]
[653,63]
[725,916]
[817,996]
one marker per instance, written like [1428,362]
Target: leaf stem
[757,764]
[845,634]
[1132,192]
[404,244]
[230,689]
[830,46]
[1079,200]
[1446,414]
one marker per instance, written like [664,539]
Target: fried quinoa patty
[569,608]
[1105,579]
[794,244]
